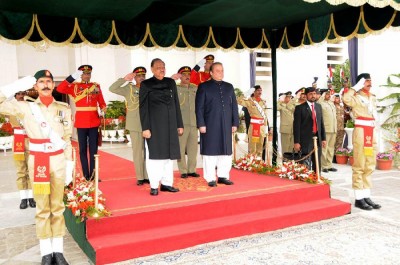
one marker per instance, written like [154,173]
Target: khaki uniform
[49,208]
[361,105]
[188,142]
[256,147]
[329,116]
[340,126]
[286,124]
[23,182]
[131,94]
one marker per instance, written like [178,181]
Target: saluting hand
[129,77]
[146,134]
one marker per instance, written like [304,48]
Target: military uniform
[329,116]
[340,126]
[188,142]
[286,124]
[363,108]
[258,113]
[49,130]
[87,97]
[197,77]
[131,94]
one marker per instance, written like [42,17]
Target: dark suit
[303,129]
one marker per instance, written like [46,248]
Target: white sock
[367,193]
[58,244]
[29,194]
[45,247]
[23,194]
[359,194]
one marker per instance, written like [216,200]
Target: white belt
[19,131]
[370,123]
[256,121]
[44,148]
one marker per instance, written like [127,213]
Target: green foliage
[337,81]
[2,119]
[393,120]
[238,92]
[350,124]
[115,109]
[4,133]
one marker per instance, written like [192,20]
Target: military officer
[131,94]
[188,142]
[21,155]
[87,97]
[340,121]
[330,123]
[197,76]
[300,96]
[363,109]
[286,106]
[48,126]
[259,123]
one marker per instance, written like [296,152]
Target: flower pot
[351,160]
[383,164]
[349,132]
[342,159]
[241,136]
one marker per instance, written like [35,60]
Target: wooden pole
[74,169]
[234,146]
[267,151]
[96,180]
[316,159]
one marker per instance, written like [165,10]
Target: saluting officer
[188,142]
[48,126]
[196,76]
[131,94]
[21,155]
[286,106]
[87,97]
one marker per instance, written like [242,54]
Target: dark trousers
[87,136]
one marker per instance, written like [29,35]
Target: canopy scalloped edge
[395,4]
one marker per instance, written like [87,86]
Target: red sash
[256,133]
[19,143]
[368,135]
[41,170]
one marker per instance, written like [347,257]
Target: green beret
[43,73]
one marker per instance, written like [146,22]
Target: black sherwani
[303,129]
[160,113]
[217,110]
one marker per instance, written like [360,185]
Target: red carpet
[143,225]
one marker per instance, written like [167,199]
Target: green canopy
[228,24]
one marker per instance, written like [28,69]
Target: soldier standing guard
[188,142]
[340,122]
[197,77]
[259,122]
[363,108]
[131,94]
[286,106]
[21,155]
[87,97]
[48,125]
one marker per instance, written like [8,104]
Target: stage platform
[143,225]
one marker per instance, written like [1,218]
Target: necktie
[314,120]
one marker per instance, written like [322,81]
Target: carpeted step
[147,241]
[184,210]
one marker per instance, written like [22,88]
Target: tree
[393,120]
[337,78]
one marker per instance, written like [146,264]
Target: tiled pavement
[18,243]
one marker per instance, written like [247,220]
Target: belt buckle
[48,147]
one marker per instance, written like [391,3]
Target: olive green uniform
[329,116]
[286,124]
[340,126]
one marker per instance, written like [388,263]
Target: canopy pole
[274,95]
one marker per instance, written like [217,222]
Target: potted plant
[241,134]
[121,130]
[384,160]
[6,138]
[350,155]
[341,156]
[349,131]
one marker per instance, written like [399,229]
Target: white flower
[78,213]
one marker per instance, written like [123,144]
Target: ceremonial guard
[48,126]
[286,106]
[88,98]
[188,142]
[196,76]
[21,155]
[258,129]
[340,121]
[329,115]
[131,94]
[363,109]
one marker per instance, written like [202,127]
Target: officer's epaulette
[64,104]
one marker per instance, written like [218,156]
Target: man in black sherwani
[161,120]
[217,118]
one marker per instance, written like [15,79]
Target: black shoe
[32,203]
[23,204]
[325,170]
[371,203]
[140,182]
[168,188]
[363,205]
[184,176]
[225,181]
[332,169]
[153,192]
[212,183]
[59,259]
[47,259]
[195,175]
[146,181]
